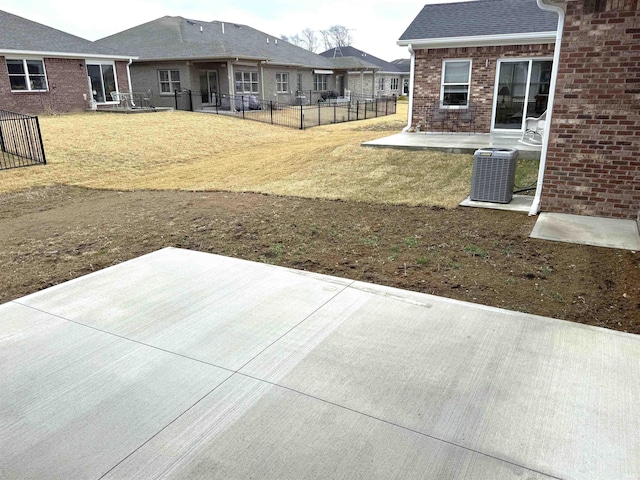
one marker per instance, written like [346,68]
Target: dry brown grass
[179,150]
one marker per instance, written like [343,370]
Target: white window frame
[102,63]
[395,82]
[320,79]
[282,82]
[26,76]
[248,82]
[443,84]
[172,83]
[380,84]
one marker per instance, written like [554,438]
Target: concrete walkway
[188,365]
[455,142]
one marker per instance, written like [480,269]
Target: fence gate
[20,141]
[184,100]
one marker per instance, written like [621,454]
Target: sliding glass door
[522,90]
[103,81]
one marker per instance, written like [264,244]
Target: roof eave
[39,53]
[481,40]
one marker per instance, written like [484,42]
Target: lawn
[188,151]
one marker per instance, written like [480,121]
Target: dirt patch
[53,234]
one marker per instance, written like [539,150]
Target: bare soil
[52,234]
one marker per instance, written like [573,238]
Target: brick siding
[593,161]
[68,88]
[428,77]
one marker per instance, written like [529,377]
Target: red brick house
[579,60]
[45,70]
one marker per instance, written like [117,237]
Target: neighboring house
[223,58]
[385,79]
[45,70]
[514,59]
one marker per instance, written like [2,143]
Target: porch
[456,142]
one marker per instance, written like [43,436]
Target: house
[46,70]
[214,59]
[577,60]
[385,79]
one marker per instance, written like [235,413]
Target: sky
[375,25]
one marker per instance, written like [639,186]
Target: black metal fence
[326,112]
[20,141]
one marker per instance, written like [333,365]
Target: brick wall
[593,161]
[68,88]
[428,77]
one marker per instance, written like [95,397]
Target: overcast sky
[376,24]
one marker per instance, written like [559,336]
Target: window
[282,82]
[27,75]
[320,82]
[394,83]
[169,81]
[381,83]
[246,82]
[103,81]
[456,76]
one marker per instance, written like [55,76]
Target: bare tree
[306,39]
[336,36]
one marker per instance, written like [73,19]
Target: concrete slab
[582,229]
[335,379]
[215,309]
[542,393]
[251,429]
[75,401]
[519,203]
[455,142]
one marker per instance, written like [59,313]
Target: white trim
[85,56]
[323,72]
[171,92]
[482,40]
[455,107]
[115,80]
[547,5]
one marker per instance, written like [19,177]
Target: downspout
[411,76]
[129,80]
[535,207]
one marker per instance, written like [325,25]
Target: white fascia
[41,54]
[481,40]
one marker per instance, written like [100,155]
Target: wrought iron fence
[20,141]
[335,110]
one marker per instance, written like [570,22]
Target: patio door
[209,87]
[522,90]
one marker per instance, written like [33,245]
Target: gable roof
[481,20]
[178,38]
[21,36]
[353,53]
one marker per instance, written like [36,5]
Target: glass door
[522,91]
[103,81]
[209,87]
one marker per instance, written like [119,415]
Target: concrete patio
[456,142]
[181,364]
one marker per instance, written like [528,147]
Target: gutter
[412,72]
[481,40]
[559,9]
[129,80]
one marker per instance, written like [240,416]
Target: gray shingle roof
[481,17]
[354,53]
[178,38]
[18,33]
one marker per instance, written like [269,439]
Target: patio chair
[533,130]
[436,115]
[467,116]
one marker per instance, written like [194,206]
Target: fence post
[386,107]
[271,108]
[365,109]
[175,96]
[301,117]
[190,102]
[318,113]
[334,112]
[242,101]
[2,147]
[44,158]
[357,109]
